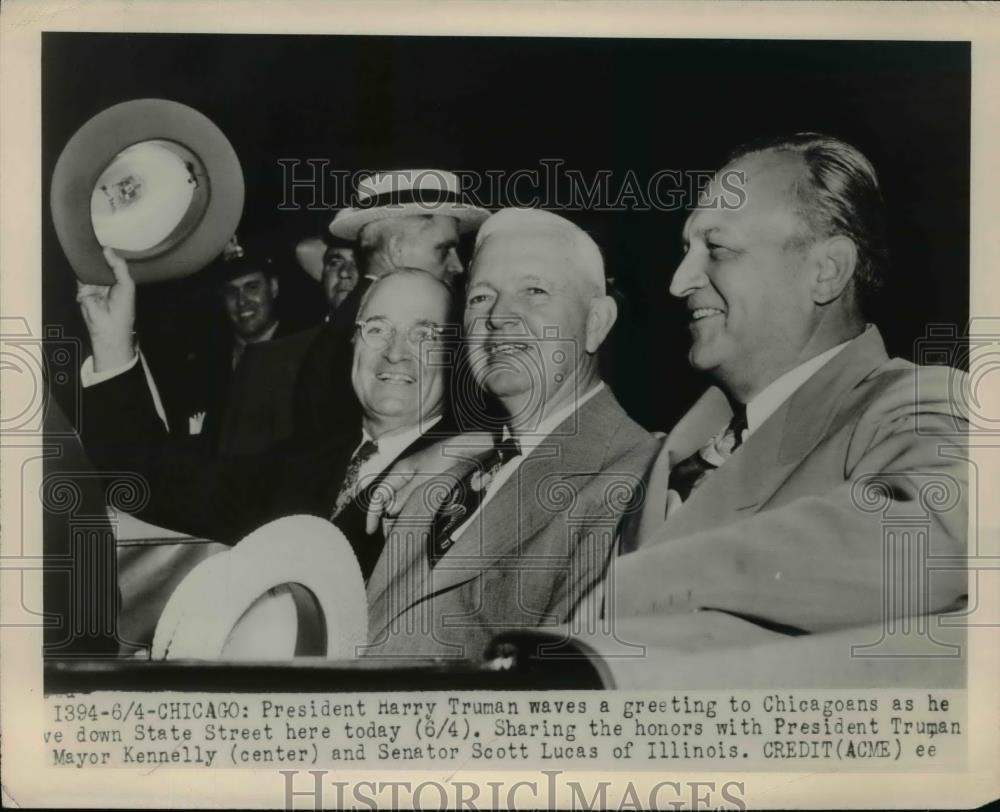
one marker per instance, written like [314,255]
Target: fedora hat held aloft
[154,179]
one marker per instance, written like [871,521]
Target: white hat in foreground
[293,587]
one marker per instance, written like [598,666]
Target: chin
[392,407]
[505,384]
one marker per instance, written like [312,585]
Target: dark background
[504,104]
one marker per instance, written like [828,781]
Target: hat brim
[92,149]
[309,253]
[349,222]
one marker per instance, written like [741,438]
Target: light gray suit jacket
[540,543]
[849,504]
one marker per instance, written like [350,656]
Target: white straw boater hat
[404,192]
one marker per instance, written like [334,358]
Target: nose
[453,264]
[398,349]
[501,314]
[689,276]
[344,271]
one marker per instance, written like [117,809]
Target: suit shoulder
[622,436]
[901,387]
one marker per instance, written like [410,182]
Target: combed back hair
[585,252]
[374,237]
[840,196]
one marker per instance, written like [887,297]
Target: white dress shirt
[390,446]
[774,394]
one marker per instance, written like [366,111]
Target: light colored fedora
[154,179]
[309,253]
[404,192]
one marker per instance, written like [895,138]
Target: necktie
[368,449]
[465,498]
[690,472]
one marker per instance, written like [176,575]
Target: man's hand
[109,313]
[408,474]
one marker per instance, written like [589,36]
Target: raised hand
[109,313]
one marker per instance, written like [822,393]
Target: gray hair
[840,195]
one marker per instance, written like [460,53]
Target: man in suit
[401,394]
[766,506]
[339,276]
[404,219]
[232,392]
[518,537]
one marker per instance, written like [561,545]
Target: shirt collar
[767,402]
[267,335]
[529,441]
[394,442]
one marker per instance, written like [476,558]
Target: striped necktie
[465,498]
[367,450]
[690,472]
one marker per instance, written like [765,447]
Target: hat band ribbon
[402,198]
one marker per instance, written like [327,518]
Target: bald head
[572,242]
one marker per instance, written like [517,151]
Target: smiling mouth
[395,377]
[506,348]
[700,313]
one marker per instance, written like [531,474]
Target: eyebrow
[475,285]
[704,233]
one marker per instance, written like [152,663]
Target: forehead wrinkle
[571,267]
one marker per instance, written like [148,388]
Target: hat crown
[407,180]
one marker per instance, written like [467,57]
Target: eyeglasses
[379,333]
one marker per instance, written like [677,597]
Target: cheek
[431,384]
[358,377]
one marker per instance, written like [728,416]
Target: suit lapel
[769,456]
[513,516]
[398,553]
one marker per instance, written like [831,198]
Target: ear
[836,257]
[274,287]
[393,250]
[600,319]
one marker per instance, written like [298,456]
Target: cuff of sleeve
[90,378]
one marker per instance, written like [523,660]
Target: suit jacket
[530,553]
[247,409]
[795,530]
[323,400]
[220,498]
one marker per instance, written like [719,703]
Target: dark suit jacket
[324,401]
[247,409]
[215,497]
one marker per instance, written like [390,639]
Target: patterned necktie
[465,498]
[690,472]
[368,449]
